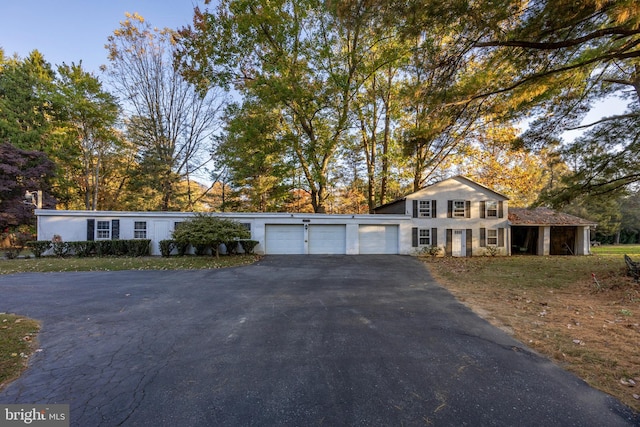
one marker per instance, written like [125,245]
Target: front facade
[458,216]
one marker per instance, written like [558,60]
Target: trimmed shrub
[248,246]
[232,246]
[38,247]
[166,247]
[82,249]
[60,249]
[206,233]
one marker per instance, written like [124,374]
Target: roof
[545,216]
[459,177]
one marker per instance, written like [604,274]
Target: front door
[458,243]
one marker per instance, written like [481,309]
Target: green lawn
[53,264]
[630,250]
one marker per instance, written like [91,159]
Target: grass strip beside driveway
[554,305]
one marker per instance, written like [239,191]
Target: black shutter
[448,248]
[414,237]
[415,209]
[469,242]
[501,237]
[483,209]
[434,236]
[500,210]
[91,229]
[483,237]
[449,208]
[433,209]
[115,229]
[467,209]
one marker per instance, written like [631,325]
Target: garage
[327,239]
[314,239]
[378,239]
[284,239]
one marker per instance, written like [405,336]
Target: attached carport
[543,231]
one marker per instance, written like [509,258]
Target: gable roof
[457,177]
[545,216]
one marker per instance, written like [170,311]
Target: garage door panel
[378,239]
[327,239]
[284,239]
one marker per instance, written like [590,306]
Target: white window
[458,209]
[424,237]
[424,208]
[103,230]
[492,237]
[492,209]
[140,230]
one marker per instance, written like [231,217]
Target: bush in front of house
[205,233]
[248,246]
[38,247]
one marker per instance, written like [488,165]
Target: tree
[22,171]
[300,57]
[25,107]
[170,121]
[88,116]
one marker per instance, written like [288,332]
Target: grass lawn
[554,305]
[18,334]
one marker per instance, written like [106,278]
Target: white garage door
[284,239]
[378,239]
[327,239]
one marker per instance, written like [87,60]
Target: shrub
[133,247]
[248,246]
[38,247]
[232,246]
[138,247]
[167,246]
[82,249]
[60,249]
[205,232]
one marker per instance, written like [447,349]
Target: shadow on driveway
[290,340]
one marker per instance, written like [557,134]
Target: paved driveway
[291,340]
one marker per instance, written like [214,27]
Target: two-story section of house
[457,215]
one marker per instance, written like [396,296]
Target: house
[457,215]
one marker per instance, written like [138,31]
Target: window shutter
[467,209]
[433,209]
[501,237]
[469,241]
[483,209]
[414,237]
[449,208]
[115,229]
[434,237]
[483,237]
[415,209]
[91,229]
[500,210]
[449,246]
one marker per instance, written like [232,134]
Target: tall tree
[89,115]
[299,56]
[170,121]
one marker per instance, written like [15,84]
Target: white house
[457,215]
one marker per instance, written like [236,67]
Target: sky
[73,30]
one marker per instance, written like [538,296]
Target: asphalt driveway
[291,340]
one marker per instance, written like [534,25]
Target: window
[492,209]
[424,208]
[424,237]
[103,230]
[492,237]
[458,209]
[140,230]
